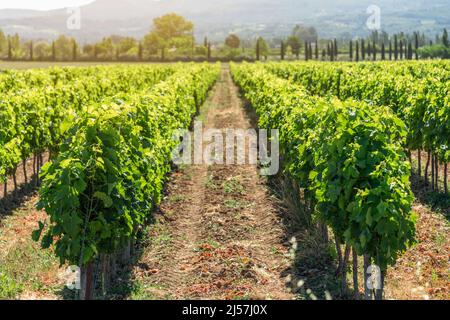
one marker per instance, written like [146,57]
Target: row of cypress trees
[360,50]
[396,50]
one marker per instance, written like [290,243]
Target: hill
[216,19]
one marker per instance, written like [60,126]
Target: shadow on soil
[17,198]
[120,284]
[312,274]
[438,201]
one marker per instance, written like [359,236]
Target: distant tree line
[377,46]
[172,37]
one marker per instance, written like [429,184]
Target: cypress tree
[369,50]
[374,51]
[331,51]
[363,50]
[410,49]
[357,51]
[417,45]
[445,40]
[282,50]
[351,50]
[53,51]
[383,53]
[395,47]
[309,51]
[336,50]
[31,51]
[405,50]
[209,51]
[10,55]
[74,50]
[140,51]
[317,50]
[324,55]
[257,50]
[390,50]
[306,51]
[401,49]
[205,42]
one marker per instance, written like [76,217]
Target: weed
[233,186]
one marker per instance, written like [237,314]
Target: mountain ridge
[217,18]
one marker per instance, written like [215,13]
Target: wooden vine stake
[426,167]
[34,165]
[355,274]
[344,270]
[126,253]
[446,177]
[323,229]
[24,164]
[339,256]
[437,173]
[87,282]
[432,172]
[419,159]
[368,294]
[15,179]
[36,168]
[105,273]
[379,291]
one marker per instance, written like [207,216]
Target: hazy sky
[41,4]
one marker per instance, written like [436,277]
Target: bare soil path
[218,235]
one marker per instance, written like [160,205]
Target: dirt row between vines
[220,235]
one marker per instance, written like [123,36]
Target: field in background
[22,65]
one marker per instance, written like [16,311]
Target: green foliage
[105,49]
[128,46]
[9,289]
[3,44]
[233,41]
[349,157]
[110,170]
[435,51]
[294,43]
[417,91]
[170,30]
[263,47]
[445,40]
[64,48]
[305,33]
[36,107]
